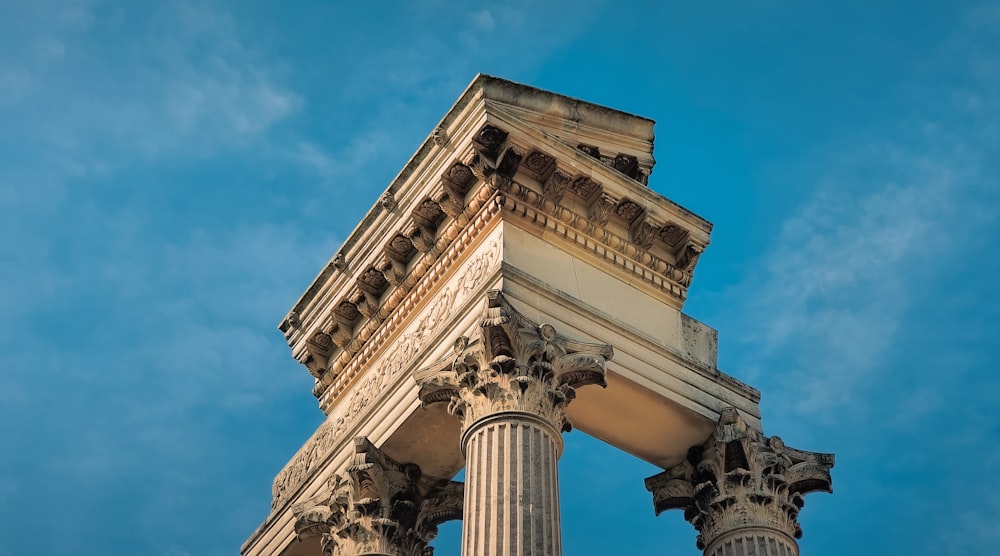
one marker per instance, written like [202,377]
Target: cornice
[488,153]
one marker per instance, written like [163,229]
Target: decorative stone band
[378,506]
[382,373]
[742,491]
[585,233]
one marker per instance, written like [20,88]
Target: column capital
[378,507]
[514,365]
[740,482]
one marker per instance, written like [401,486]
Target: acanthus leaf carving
[741,480]
[513,365]
[378,506]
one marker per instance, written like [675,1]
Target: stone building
[518,278]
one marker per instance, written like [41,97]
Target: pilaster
[510,388]
[743,491]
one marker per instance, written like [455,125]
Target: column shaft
[748,542]
[512,488]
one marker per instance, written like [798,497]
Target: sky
[174,175]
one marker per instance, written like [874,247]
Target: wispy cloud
[854,262]
[195,84]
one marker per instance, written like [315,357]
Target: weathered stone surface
[743,491]
[378,507]
[499,197]
[510,387]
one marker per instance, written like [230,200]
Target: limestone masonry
[518,279]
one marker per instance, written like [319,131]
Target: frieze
[390,366]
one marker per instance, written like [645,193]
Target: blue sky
[173,175]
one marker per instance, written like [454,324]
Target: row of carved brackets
[494,159]
[600,206]
[389,269]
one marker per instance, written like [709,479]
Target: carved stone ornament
[310,459]
[509,161]
[514,365]
[627,165]
[372,281]
[380,507]
[490,139]
[584,187]
[340,262]
[459,177]
[642,234]
[387,201]
[539,165]
[440,136]
[741,485]
[600,209]
[590,150]
[400,249]
[346,313]
[555,186]
[688,258]
[672,234]
[428,215]
[628,210]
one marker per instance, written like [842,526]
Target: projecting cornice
[569,171]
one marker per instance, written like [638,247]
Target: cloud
[835,284]
[482,20]
[193,84]
[822,313]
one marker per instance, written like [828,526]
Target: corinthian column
[381,508]
[510,388]
[742,491]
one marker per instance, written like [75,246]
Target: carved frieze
[588,233]
[386,370]
[741,480]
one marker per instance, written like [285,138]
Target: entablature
[505,151]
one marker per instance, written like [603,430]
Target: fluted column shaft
[753,541]
[510,388]
[512,487]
